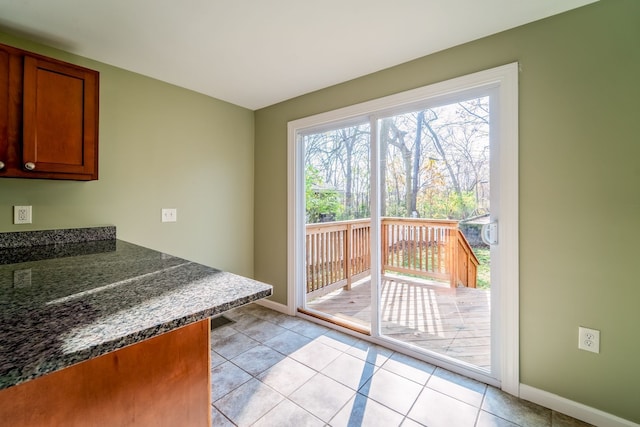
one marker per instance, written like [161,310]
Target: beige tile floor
[269,369]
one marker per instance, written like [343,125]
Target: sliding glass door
[394,209]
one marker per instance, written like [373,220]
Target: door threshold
[337,320]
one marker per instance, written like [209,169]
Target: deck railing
[338,253]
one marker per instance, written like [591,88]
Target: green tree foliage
[447,205]
[322,204]
[435,164]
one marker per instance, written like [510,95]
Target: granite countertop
[68,301]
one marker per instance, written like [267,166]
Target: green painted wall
[163,146]
[160,146]
[579,197]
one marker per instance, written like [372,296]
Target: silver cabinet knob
[1,165]
[30,166]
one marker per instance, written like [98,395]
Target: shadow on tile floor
[270,369]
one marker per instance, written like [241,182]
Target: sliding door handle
[489,233]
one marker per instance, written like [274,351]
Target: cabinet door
[4,111]
[60,120]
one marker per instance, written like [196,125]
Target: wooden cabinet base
[163,381]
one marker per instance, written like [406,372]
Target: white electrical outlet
[589,339]
[22,214]
[22,278]
[169,215]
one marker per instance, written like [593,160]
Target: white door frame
[505,79]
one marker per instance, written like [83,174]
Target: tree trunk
[440,150]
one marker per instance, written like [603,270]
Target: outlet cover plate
[22,278]
[169,215]
[589,339]
[22,214]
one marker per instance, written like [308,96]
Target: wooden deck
[455,322]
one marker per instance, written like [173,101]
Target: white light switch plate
[169,215]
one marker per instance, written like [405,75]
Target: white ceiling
[255,53]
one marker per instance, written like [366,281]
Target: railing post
[347,256]
[385,248]
[453,267]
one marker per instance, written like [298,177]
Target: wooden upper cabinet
[4,108]
[52,117]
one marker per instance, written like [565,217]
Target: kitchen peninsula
[98,331]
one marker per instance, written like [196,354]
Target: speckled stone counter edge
[21,239]
[104,348]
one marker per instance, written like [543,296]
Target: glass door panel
[435,289]
[338,225]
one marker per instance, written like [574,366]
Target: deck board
[455,322]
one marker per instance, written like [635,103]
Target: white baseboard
[574,409]
[276,306]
